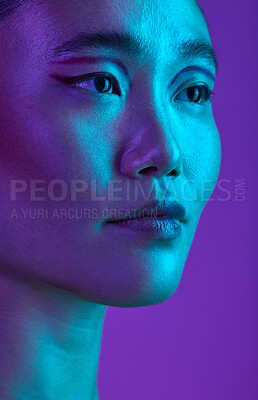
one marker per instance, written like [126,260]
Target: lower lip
[162,227]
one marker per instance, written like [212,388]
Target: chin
[146,295]
[143,301]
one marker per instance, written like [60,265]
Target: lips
[158,209]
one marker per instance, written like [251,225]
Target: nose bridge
[152,146]
[152,127]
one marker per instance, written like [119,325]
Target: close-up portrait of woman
[109,154]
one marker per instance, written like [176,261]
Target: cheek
[201,160]
[92,137]
[31,148]
[91,148]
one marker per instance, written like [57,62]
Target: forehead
[158,23]
[118,13]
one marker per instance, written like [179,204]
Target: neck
[50,342]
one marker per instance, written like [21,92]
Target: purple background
[202,342]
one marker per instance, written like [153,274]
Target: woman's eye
[99,84]
[195,94]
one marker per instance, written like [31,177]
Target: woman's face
[141,131]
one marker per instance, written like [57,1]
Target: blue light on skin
[58,275]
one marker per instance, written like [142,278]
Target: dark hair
[8,7]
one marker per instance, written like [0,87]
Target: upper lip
[168,209]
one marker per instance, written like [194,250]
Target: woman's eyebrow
[128,43]
[198,48]
[132,44]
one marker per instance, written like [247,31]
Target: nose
[151,148]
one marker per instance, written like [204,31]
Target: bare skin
[58,275]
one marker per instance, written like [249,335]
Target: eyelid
[84,77]
[194,68]
[191,83]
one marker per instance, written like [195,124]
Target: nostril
[173,173]
[148,171]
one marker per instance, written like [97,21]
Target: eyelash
[112,84]
[203,95]
[204,92]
